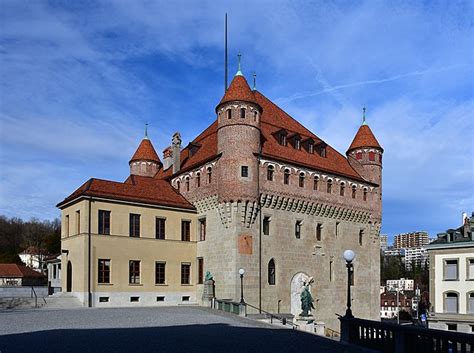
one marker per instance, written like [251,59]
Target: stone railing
[230,306]
[392,338]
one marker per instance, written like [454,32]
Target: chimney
[167,157]
[176,152]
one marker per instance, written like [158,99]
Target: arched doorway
[69,277]
[297,283]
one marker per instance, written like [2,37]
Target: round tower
[145,161]
[365,154]
[238,140]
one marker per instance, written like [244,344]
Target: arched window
[229,114]
[242,113]
[270,172]
[354,191]
[365,194]
[187,183]
[315,184]
[209,175]
[178,185]
[286,177]
[271,272]
[470,303]
[255,116]
[329,186]
[198,179]
[342,189]
[450,302]
[301,180]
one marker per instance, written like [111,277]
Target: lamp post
[241,273]
[349,256]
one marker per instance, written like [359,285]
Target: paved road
[165,329]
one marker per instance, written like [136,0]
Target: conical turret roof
[145,152]
[238,90]
[364,138]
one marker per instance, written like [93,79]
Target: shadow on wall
[176,339]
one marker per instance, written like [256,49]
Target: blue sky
[80,79]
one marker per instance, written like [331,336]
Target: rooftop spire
[239,71]
[363,116]
[146,131]
[254,81]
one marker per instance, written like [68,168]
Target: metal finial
[239,71]
[363,116]
[254,81]
[146,131]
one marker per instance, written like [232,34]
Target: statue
[209,276]
[306,299]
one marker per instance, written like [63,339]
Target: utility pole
[398,302]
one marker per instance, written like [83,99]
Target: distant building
[383,242]
[33,257]
[394,252]
[416,256]
[388,304]
[400,284]
[18,275]
[411,240]
[452,279]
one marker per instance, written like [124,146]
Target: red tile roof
[273,119]
[135,188]
[238,90]
[14,270]
[145,151]
[364,138]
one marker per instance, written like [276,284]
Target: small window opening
[286,177]
[242,113]
[301,180]
[244,171]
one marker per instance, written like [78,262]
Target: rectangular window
[470,269]
[282,140]
[286,177]
[310,147]
[134,272]
[244,171]
[185,273]
[78,222]
[103,299]
[297,144]
[104,222]
[452,327]
[329,186]
[104,271]
[319,228]
[160,272]
[330,271]
[186,230]
[185,298]
[266,225]
[298,229]
[450,270]
[134,225]
[200,270]
[160,228]
[337,229]
[361,236]
[134,299]
[67,226]
[242,113]
[202,229]
[160,299]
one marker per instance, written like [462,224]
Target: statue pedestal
[320,328]
[208,292]
[305,323]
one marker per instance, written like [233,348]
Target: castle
[256,190]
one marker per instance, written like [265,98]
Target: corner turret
[145,161]
[238,140]
[365,154]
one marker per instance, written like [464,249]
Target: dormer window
[311,147]
[282,139]
[242,113]
[193,148]
[321,149]
[297,143]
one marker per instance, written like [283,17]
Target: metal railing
[392,338]
[33,293]
[282,319]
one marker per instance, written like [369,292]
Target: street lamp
[349,256]
[241,273]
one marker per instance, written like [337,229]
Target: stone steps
[62,302]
